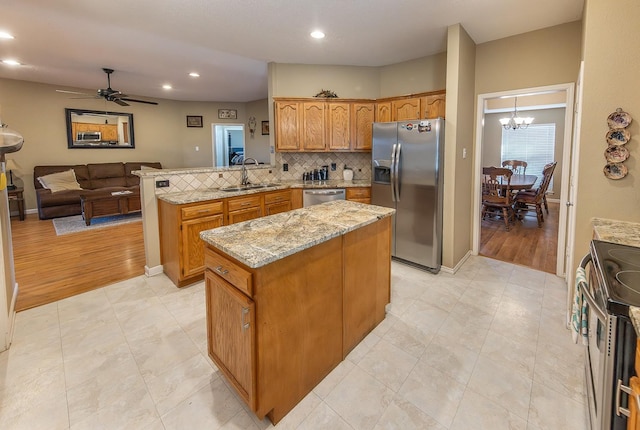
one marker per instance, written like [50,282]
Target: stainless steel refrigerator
[407,163]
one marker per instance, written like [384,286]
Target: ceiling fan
[109,94]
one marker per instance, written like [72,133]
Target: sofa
[91,178]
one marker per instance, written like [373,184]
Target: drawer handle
[203,211]
[245,204]
[221,270]
[245,325]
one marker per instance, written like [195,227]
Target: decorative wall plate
[618,136]
[619,119]
[615,171]
[616,153]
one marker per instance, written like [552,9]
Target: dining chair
[533,200]
[518,167]
[497,195]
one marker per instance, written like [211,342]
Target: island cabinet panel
[298,326]
[367,280]
[231,340]
[304,312]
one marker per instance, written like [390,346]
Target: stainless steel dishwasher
[316,196]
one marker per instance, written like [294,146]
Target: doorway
[228,144]
[485,100]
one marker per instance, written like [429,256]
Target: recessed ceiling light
[11,62]
[194,75]
[167,87]
[5,35]
[317,34]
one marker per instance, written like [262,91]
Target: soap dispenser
[347,173]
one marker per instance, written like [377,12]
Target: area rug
[75,223]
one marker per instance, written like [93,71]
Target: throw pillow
[60,181]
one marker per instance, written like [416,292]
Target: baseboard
[153,271]
[457,267]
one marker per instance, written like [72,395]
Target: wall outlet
[285,167]
[333,167]
[162,184]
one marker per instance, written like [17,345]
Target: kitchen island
[290,295]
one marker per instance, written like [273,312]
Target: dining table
[521,182]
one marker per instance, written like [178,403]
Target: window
[534,144]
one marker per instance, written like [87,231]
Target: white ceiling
[153,42]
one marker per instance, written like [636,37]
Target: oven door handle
[593,307]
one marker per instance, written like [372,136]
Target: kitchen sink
[248,187]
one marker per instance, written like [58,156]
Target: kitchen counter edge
[261,241]
[203,195]
[622,232]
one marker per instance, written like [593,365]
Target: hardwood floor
[525,244]
[50,267]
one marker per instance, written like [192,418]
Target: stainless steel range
[614,284]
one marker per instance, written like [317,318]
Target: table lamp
[11,166]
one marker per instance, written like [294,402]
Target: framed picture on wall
[227,113]
[194,121]
[265,128]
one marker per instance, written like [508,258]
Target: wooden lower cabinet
[181,250]
[277,202]
[359,194]
[244,208]
[277,338]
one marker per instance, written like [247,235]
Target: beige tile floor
[485,348]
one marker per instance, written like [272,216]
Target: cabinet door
[362,115]
[433,106]
[339,126]
[383,112]
[231,334]
[244,215]
[276,208]
[192,246]
[313,126]
[405,109]
[287,118]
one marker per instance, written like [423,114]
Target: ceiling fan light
[5,35]
[317,34]
[167,87]
[194,75]
[10,62]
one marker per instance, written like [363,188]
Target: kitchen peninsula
[290,295]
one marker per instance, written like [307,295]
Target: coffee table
[104,203]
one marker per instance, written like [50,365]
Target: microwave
[88,136]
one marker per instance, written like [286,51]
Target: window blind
[534,144]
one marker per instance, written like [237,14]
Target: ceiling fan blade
[139,101]
[72,92]
[120,102]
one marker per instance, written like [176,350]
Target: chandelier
[515,122]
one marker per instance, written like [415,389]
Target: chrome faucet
[245,177]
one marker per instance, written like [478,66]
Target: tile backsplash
[300,162]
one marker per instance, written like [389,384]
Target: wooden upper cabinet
[383,112]
[433,106]
[339,126]
[313,126]
[362,116]
[405,109]
[287,117]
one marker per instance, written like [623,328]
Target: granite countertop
[203,195]
[623,232]
[261,241]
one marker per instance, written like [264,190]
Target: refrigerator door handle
[397,175]
[392,172]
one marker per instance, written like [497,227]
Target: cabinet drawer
[198,211]
[229,271]
[358,193]
[280,196]
[244,203]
